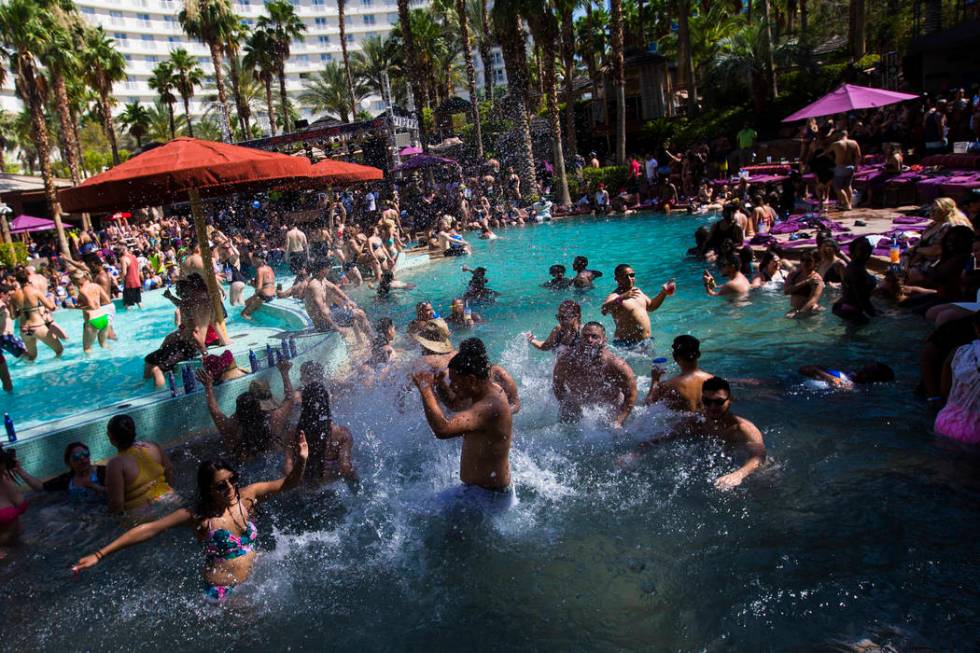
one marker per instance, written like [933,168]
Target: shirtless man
[681,392]
[847,159]
[193,263]
[500,376]
[96,320]
[265,287]
[297,248]
[97,273]
[630,308]
[331,309]
[717,421]
[736,286]
[298,289]
[584,277]
[589,375]
[486,428]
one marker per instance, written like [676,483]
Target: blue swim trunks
[12,345]
[473,498]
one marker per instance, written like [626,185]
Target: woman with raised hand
[221,520]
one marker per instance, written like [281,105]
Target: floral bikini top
[223,545]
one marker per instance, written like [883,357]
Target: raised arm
[558,380]
[257,491]
[548,343]
[655,302]
[506,382]
[461,423]
[626,381]
[140,533]
[227,426]
[279,417]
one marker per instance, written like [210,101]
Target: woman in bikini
[36,323]
[830,265]
[12,502]
[221,521]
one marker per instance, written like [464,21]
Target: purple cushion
[787,227]
[911,219]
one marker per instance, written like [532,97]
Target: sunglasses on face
[80,455]
[707,401]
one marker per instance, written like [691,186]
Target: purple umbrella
[425,161]
[847,98]
[24,223]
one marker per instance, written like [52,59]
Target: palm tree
[7,133]
[566,10]
[261,62]
[23,28]
[541,17]
[327,92]
[686,55]
[513,39]
[162,125]
[376,57]
[136,119]
[188,75]
[741,57]
[619,76]
[163,82]
[412,68]
[62,62]
[767,44]
[467,44]
[342,26]
[104,66]
[212,22]
[486,49]
[283,27]
[237,33]
[857,19]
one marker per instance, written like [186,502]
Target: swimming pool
[860,526]
[50,388]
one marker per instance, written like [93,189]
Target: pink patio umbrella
[409,151]
[23,224]
[849,97]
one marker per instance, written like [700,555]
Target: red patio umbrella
[185,169]
[120,215]
[340,172]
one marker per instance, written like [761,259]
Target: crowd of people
[356,238]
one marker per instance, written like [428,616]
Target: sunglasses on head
[708,401]
[80,455]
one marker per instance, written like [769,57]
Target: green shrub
[614,177]
[12,254]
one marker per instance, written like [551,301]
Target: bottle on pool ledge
[253,361]
[292,347]
[172,383]
[8,424]
[269,357]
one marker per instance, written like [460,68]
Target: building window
[326,56]
[128,57]
[171,20]
[368,19]
[350,38]
[498,76]
[366,3]
[321,21]
[152,58]
[392,18]
[120,38]
[324,39]
[319,3]
[172,40]
[204,61]
[88,11]
[144,19]
[116,17]
[303,59]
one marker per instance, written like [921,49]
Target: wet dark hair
[206,505]
[255,435]
[8,460]
[808,257]
[729,261]
[701,235]
[556,269]
[122,431]
[316,421]
[74,445]
[619,268]
[876,372]
[570,305]
[472,359]
[383,324]
[958,241]
[716,384]
[687,347]
[594,324]
[857,245]
[767,258]
[580,263]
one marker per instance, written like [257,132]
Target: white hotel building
[145,31]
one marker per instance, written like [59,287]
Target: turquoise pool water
[51,388]
[861,525]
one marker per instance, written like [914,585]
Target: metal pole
[202,239]
[4,212]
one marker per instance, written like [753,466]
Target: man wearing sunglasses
[717,421]
[630,308]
